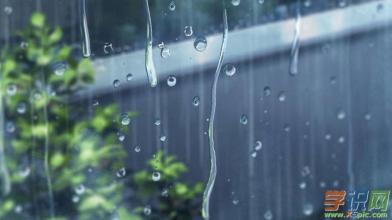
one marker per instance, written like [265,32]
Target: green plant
[56,164]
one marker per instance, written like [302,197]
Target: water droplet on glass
[165,52]
[80,189]
[200,44]
[268,215]
[11,89]
[258,145]
[230,69]
[75,199]
[25,172]
[129,76]
[8,10]
[341,114]
[267,91]
[165,193]
[342,3]
[116,83]
[235,201]
[125,119]
[287,128]
[235,2]
[24,44]
[261,1]
[10,127]
[120,136]
[253,154]
[308,209]
[60,69]
[327,136]
[157,122]
[161,45]
[171,81]
[18,209]
[196,101]
[137,149]
[282,96]
[156,176]
[341,139]
[323,184]
[302,185]
[163,138]
[305,171]
[332,80]
[121,172]
[95,102]
[21,108]
[108,48]
[147,210]
[293,68]
[244,119]
[368,116]
[172,6]
[188,31]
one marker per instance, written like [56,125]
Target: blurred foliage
[61,166]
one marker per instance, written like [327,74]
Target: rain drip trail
[150,67]
[213,169]
[5,176]
[85,32]
[293,69]
[46,156]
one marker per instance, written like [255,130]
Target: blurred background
[282,137]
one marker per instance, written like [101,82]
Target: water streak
[85,32]
[3,168]
[293,69]
[213,169]
[150,67]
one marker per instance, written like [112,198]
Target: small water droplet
[24,45]
[161,45]
[342,3]
[282,96]
[305,171]
[157,122]
[230,69]
[147,210]
[188,31]
[80,189]
[253,154]
[59,69]
[116,83]
[341,139]
[267,91]
[75,199]
[258,145]
[121,172]
[25,172]
[10,127]
[200,44]
[287,128]
[196,101]
[18,209]
[308,209]
[268,215]
[165,52]
[244,119]
[172,6]
[129,76]
[171,81]
[235,2]
[120,136]
[302,185]
[235,201]
[21,108]
[108,48]
[165,193]
[341,114]
[156,176]
[323,184]
[11,89]
[261,1]
[137,149]
[327,136]
[368,116]
[163,138]
[125,119]
[8,10]
[95,102]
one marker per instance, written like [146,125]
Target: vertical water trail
[149,62]
[46,155]
[86,47]
[3,167]
[213,169]
[293,69]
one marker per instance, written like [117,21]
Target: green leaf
[56,35]
[38,20]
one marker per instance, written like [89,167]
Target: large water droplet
[121,172]
[125,119]
[188,31]
[235,2]
[258,145]
[12,89]
[8,10]
[21,108]
[80,189]
[147,210]
[200,44]
[267,91]
[129,76]
[230,69]
[171,81]
[156,176]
